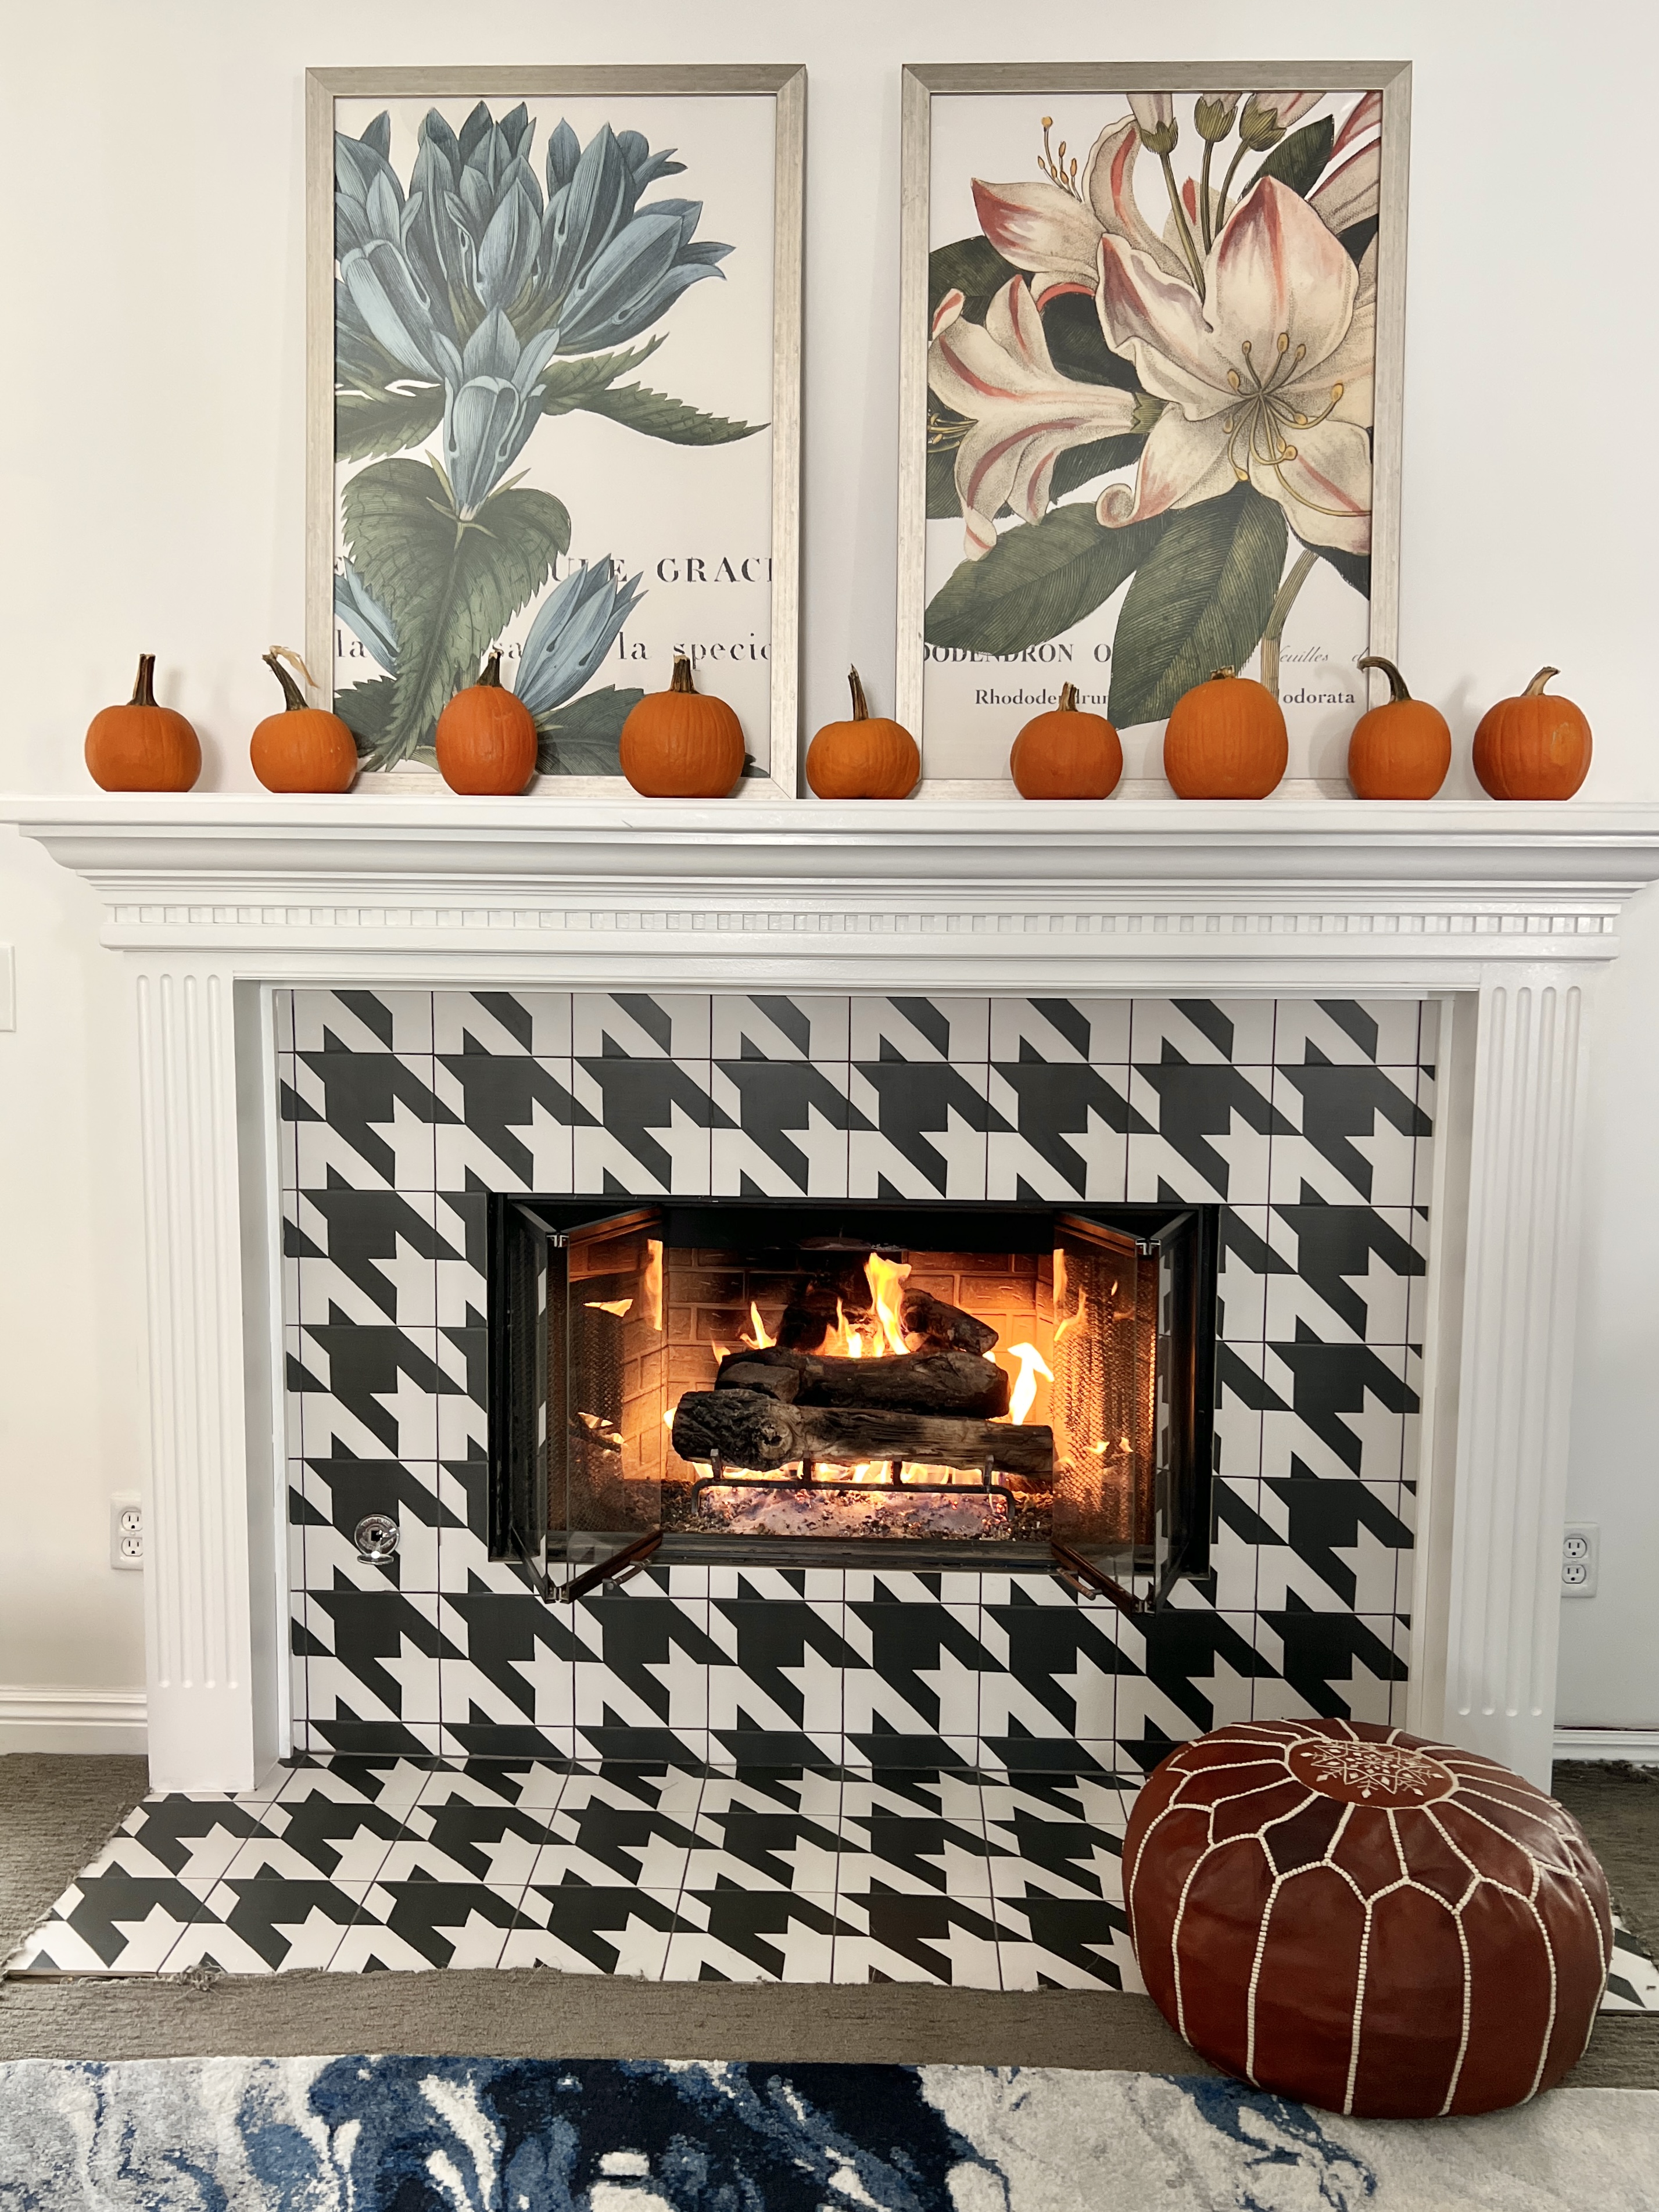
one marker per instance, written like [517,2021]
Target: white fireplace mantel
[1506,913]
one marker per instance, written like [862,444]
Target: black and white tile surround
[401,1110]
[358,1865]
[736,1772]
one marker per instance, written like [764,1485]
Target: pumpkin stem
[1217,673]
[143,691]
[1534,689]
[861,704]
[681,679]
[292,697]
[1068,699]
[1397,691]
[490,673]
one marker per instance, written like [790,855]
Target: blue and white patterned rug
[481,2135]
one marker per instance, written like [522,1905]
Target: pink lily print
[1181,398]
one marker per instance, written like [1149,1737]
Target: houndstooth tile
[510,1124]
[1330,1666]
[1194,1030]
[921,1838]
[499,1023]
[892,1936]
[364,1022]
[920,1129]
[1349,1272]
[647,1128]
[366,1119]
[783,1128]
[371,1655]
[328,1497]
[514,1667]
[1065,1130]
[633,1026]
[1061,1031]
[633,1829]
[1350,1135]
[757,1026]
[1203,1131]
[1338,1409]
[373,1391]
[916,1670]
[1331,1546]
[779,1675]
[728,1934]
[584,1929]
[1053,1683]
[759,1829]
[921,1031]
[368,1255]
[1375,1032]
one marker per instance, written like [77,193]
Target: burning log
[915,1382]
[942,1325]
[750,1429]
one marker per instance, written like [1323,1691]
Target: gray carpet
[55,1812]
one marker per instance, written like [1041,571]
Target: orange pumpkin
[679,744]
[1399,751]
[1225,739]
[487,738]
[1065,753]
[868,757]
[1532,747]
[142,747]
[303,748]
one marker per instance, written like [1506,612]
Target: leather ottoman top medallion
[1352,1916]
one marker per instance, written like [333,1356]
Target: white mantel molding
[1506,911]
[1274,896]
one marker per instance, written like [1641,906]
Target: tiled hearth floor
[361,1865]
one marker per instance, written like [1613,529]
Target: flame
[652,1284]
[886,1278]
[760,1341]
[620,1307]
[1031,1364]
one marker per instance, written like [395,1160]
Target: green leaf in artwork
[367,423]
[1078,347]
[1037,582]
[567,384]
[971,266]
[365,710]
[1199,602]
[655,415]
[1301,158]
[450,586]
[1354,568]
[583,737]
[1081,464]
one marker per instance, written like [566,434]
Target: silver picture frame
[921,83]
[786,85]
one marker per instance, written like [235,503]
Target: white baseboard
[43,1719]
[1638,1744]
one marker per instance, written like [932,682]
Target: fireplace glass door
[742,1380]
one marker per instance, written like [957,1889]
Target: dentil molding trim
[1261,891]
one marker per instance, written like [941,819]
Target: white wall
[152,383]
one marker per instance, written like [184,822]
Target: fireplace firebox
[803,1384]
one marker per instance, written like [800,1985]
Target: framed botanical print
[554,402]
[1153,325]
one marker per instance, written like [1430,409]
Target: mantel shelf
[437,845]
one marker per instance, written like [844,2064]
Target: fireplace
[899,1382]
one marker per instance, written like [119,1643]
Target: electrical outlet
[126,1531]
[1581,1552]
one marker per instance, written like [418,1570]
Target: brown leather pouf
[1359,1919]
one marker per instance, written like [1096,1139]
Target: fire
[886,1278]
[620,1307]
[760,1341]
[1031,1364]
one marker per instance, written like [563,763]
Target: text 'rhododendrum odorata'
[1024,413]
[1267,379]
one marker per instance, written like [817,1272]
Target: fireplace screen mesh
[727,1374]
